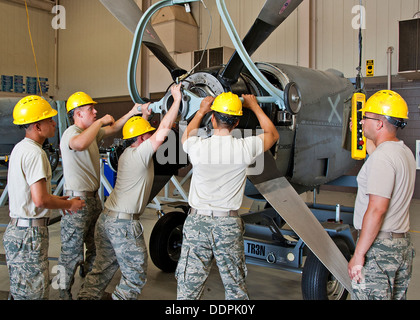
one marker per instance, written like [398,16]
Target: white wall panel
[337,41]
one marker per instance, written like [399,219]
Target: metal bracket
[194,101]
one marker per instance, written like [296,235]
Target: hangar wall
[93,51]
[16,56]
[335,41]
[94,48]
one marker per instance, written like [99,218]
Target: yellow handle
[358,140]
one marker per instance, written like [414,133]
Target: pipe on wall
[389,72]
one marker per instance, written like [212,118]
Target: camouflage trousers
[119,244]
[205,238]
[77,230]
[27,261]
[387,270]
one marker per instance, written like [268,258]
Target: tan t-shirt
[134,180]
[81,169]
[389,172]
[28,164]
[219,170]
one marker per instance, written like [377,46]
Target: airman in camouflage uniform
[77,231]
[120,244]
[213,227]
[29,274]
[382,261]
[81,171]
[29,181]
[385,266]
[119,233]
[203,237]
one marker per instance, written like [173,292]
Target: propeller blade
[128,13]
[275,12]
[125,11]
[271,16]
[289,205]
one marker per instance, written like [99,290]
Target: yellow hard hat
[136,126]
[387,103]
[31,109]
[78,99]
[228,103]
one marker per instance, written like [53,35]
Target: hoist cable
[33,49]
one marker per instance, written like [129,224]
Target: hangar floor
[263,283]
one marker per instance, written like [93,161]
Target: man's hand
[107,120]
[135,110]
[75,205]
[250,101]
[205,105]
[355,267]
[145,111]
[176,92]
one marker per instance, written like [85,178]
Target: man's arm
[83,140]
[42,199]
[371,225]
[168,120]
[117,125]
[110,126]
[270,135]
[194,124]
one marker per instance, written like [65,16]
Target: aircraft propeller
[271,16]
[129,14]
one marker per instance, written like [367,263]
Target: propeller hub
[202,84]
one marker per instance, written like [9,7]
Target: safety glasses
[366,117]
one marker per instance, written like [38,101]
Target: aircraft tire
[317,282]
[166,239]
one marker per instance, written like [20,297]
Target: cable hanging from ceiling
[33,48]
[359,77]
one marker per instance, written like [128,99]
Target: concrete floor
[263,283]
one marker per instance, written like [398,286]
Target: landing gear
[318,283]
[166,240]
